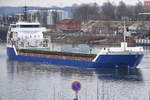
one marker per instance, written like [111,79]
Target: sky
[59,3]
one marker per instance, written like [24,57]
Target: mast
[25,12]
[124,33]
[124,43]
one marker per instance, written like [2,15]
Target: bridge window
[13,26]
[29,26]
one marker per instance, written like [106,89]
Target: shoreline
[69,38]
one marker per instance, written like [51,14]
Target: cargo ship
[26,42]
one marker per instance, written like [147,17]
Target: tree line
[108,11]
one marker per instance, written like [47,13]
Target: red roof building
[147,6]
[68,25]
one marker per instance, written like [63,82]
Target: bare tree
[122,10]
[108,11]
[85,12]
[138,9]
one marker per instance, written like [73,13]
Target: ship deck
[47,53]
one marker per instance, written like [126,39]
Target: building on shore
[55,16]
[145,15]
[99,27]
[68,25]
[46,17]
[147,6]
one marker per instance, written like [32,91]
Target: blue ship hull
[103,61]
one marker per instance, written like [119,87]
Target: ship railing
[34,43]
[143,41]
[121,50]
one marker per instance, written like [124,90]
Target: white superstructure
[25,34]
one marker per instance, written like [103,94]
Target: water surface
[37,81]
